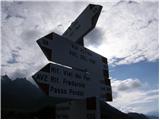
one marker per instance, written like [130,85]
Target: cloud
[125,33]
[95,37]
[20,35]
[25,22]
[125,2]
[126,84]
[131,95]
[130,33]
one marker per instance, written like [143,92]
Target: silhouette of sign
[83,24]
[60,50]
[59,81]
[87,72]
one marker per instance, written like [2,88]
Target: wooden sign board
[61,82]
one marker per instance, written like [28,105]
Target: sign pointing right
[83,24]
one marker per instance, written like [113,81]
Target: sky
[126,33]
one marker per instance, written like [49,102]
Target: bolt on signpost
[83,73]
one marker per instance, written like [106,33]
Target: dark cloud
[36,27]
[125,2]
[13,59]
[18,48]
[114,94]
[9,11]
[136,84]
[132,2]
[123,87]
[19,2]
[95,37]
[59,25]
[29,36]
[118,3]
[8,16]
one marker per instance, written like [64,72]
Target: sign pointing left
[62,82]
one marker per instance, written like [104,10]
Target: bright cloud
[126,84]
[127,32]
[22,24]
[130,32]
[131,95]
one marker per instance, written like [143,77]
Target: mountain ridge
[29,97]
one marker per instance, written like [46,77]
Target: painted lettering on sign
[63,51]
[70,54]
[64,82]
[87,73]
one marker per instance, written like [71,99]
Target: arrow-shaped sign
[83,24]
[61,50]
[67,83]
[88,75]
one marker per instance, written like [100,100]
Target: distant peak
[20,79]
[5,77]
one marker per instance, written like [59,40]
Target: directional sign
[61,82]
[87,75]
[61,50]
[83,24]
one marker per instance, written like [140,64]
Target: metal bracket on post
[77,35]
